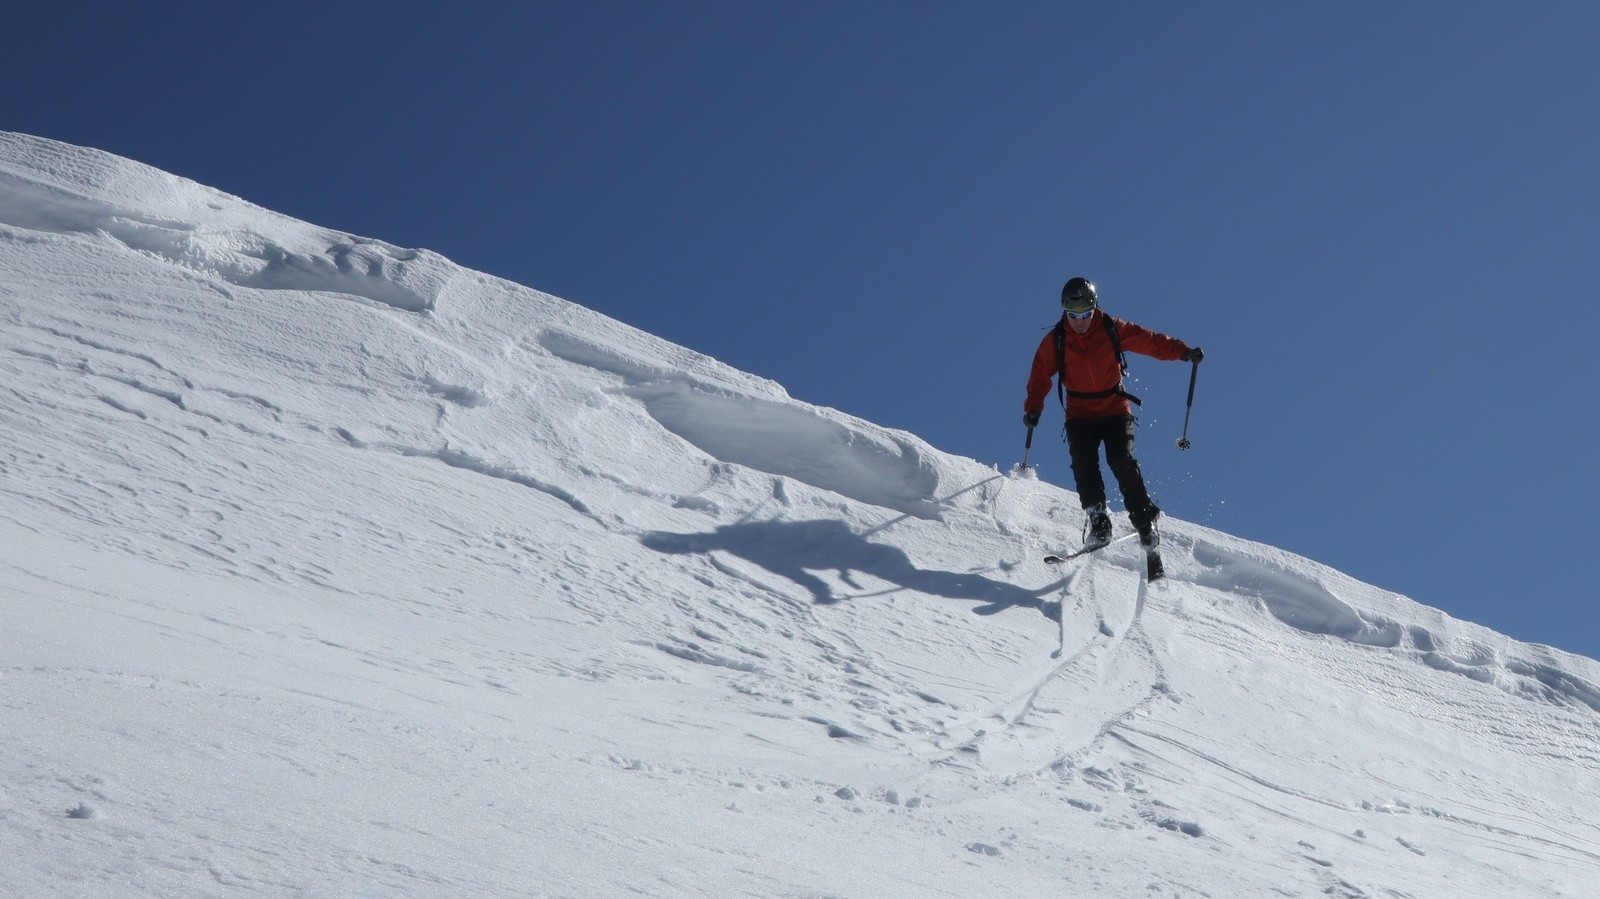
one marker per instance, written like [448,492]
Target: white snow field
[329,568]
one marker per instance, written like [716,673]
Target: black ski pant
[1085,436]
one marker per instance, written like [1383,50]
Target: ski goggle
[1080,315]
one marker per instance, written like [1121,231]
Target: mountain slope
[333,568]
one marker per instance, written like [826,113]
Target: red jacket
[1092,365]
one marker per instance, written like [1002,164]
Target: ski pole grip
[1028,444]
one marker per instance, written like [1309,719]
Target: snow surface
[332,568]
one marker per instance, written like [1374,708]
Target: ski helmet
[1078,295]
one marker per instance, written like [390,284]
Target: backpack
[1061,361]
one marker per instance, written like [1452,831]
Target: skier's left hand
[1193,354]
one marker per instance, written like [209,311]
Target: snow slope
[331,568]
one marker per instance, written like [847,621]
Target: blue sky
[1379,219]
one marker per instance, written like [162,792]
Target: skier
[1084,351]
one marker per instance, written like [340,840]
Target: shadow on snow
[795,549]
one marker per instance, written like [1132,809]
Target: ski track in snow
[296,521]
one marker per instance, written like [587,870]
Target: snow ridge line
[1310,606]
[210,245]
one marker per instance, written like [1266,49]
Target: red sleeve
[1144,341]
[1045,368]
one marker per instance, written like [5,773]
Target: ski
[1058,558]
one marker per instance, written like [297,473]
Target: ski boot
[1099,526]
[1145,523]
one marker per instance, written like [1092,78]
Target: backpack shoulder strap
[1061,361]
[1116,341]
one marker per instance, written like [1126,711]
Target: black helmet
[1078,295]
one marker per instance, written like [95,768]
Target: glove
[1030,418]
[1193,354]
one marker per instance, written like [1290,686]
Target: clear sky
[1379,219]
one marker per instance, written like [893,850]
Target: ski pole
[1183,442]
[1027,447]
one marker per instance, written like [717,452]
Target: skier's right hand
[1029,419]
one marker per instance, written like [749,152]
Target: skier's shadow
[795,549]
